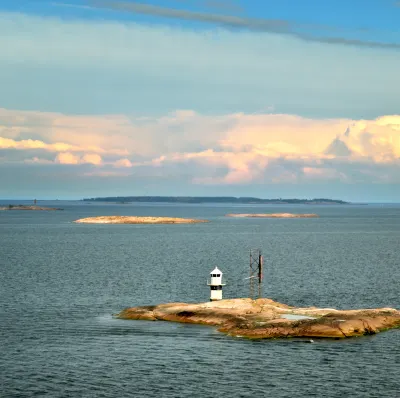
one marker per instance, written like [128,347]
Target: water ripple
[60,283]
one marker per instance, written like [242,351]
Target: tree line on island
[212,199]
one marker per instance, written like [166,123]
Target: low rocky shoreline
[274,215]
[23,207]
[265,318]
[137,220]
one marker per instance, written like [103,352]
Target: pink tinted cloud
[70,158]
[92,158]
[222,149]
[123,163]
[67,158]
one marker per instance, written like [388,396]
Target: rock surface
[274,215]
[137,220]
[22,207]
[265,318]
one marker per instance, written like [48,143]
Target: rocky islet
[265,318]
[137,220]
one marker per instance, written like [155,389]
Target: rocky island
[274,215]
[265,318]
[23,207]
[137,220]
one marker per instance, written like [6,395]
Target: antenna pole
[260,274]
[256,273]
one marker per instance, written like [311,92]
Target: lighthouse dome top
[216,271]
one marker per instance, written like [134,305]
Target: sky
[271,98]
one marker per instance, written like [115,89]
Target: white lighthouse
[216,284]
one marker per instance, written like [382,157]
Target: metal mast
[256,273]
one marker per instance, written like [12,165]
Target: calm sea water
[61,282]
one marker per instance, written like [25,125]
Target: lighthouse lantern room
[215,284]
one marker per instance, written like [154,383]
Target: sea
[61,283]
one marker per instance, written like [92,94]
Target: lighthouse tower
[216,284]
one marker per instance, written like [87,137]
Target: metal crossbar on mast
[256,273]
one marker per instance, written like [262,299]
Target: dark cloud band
[230,21]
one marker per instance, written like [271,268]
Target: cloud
[266,25]
[338,147]
[353,42]
[68,5]
[323,173]
[70,158]
[60,133]
[6,143]
[67,158]
[278,148]
[229,150]
[103,67]
[230,21]
[37,160]
[92,158]
[190,149]
[123,163]
[109,135]
[105,173]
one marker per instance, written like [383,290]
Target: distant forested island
[213,199]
